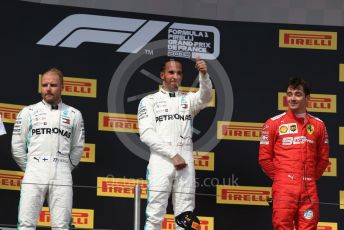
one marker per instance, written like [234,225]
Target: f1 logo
[131,34]
[78,28]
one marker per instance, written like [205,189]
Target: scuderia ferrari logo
[310,129]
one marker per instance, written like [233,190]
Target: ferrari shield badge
[310,129]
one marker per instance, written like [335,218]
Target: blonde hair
[56,71]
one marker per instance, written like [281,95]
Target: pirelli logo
[120,187]
[245,131]
[324,103]
[204,160]
[244,195]
[80,87]
[89,154]
[81,218]
[341,135]
[9,112]
[341,72]
[341,199]
[118,122]
[10,180]
[331,169]
[308,39]
[207,223]
[327,226]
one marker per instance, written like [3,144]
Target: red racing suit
[294,153]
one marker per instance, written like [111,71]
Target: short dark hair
[163,66]
[295,82]
[56,71]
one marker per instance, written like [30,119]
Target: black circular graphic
[133,62]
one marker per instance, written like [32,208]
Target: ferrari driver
[294,153]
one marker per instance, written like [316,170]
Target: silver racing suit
[165,124]
[47,143]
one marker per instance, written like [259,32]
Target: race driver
[165,123]
[294,153]
[47,143]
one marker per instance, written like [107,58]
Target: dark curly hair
[295,82]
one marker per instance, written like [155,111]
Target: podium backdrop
[112,59]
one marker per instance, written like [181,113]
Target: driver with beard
[47,143]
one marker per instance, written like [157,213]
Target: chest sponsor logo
[65,120]
[308,39]
[81,218]
[242,195]
[299,140]
[118,122]
[49,131]
[283,129]
[159,107]
[207,223]
[169,117]
[10,180]
[120,187]
[184,106]
[290,128]
[230,130]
